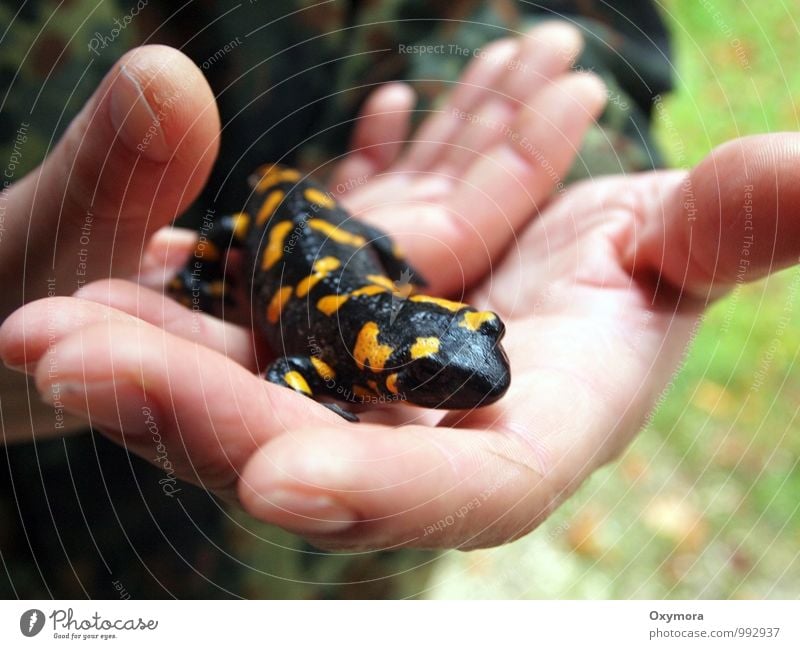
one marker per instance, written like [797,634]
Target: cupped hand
[599,285]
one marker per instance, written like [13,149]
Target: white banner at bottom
[401,625]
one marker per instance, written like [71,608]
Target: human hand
[137,154]
[589,347]
[105,357]
[600,295]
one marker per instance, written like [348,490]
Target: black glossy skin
[458,364]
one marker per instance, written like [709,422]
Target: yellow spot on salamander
[296,381]
[206,250]
[336,233]
[474,319]
[400,290]
[241,223]
[363,393]
[215,289]
[326,264]
[306,284]
[319,198]
[424,347]
[274,175]
[368,352]
[445,304]
[369,289]
[330,303]
[321,268]
[277,303]
[274,249]
[373,386]
[382,280]
[391,383]
[325,371]
[269,206]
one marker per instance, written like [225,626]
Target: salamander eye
[486,322]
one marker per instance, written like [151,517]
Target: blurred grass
[706,502]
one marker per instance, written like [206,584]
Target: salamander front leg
[201,284]
[310,376]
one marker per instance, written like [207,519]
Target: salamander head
[455,360]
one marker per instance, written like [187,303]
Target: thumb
[734,218]
[136,155]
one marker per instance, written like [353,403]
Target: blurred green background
[706,502]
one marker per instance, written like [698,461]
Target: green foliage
[734,72]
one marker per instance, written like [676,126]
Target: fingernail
[303,513]
[112,405]
[24,368]
[139,126]
[565,38]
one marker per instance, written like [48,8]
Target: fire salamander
[332,296]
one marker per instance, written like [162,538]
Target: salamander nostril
[501,330]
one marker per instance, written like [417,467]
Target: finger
[166,253]
[441,126]
[732,219]
[25,418]
[482,128]
[546,52]
[135,156]
[27,334]
[502,191]
[176,403]
[376,487]
[378,136]
[153,306]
